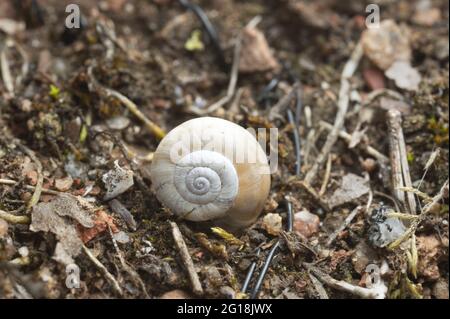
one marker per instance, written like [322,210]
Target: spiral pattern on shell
[206,183]
[211,169]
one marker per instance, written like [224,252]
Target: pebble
[3,228]
[440,289]
[386,44]
[305,223]
[255,53]
[63,184]
[176,294]
[272,223]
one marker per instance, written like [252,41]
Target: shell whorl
[206,183]
[211,169]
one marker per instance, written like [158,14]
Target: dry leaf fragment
[352,187]
[44,218]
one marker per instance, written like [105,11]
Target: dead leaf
[352,187]
[44,218]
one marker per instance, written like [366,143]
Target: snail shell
[211,169]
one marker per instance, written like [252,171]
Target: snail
[210,169]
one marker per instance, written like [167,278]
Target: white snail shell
[211,169]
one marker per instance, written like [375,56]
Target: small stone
[429,251]
[176,294]
[117,181]
[32,177]
[3,228]
[305,223]
[272,224]
[255,52]
[386,44]
[227,292]
[23,251]
[63,184]
[440,289]
[404,75]
[427,17]
[118,122]
[369,165]
[122,237]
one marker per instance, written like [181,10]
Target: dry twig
[343,101]
[376,292]
[399,162]
[187,260]
[348,138]
[346,222]
[109,277]
[14,219]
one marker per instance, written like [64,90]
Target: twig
[6,71]
[348,138]
[40,177]
[151,126]
[343,101]
[130,105]
[109,277]
[30,187]
[283,104]
[377,292]
[314,194]
[326,178]
[134,275]
[399,163]
[319,287]
[372,96]
[13,219]
[231,85]
[346,222]
[187,260]
[415,223]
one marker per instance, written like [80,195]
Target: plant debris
[360,183]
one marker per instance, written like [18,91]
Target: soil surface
[68,102]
